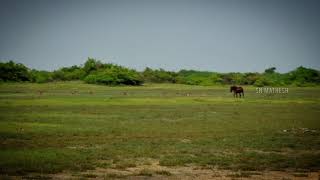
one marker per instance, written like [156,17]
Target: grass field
[72,126]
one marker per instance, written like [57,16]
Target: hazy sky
[215,35]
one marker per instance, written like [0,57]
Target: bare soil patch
[154,171]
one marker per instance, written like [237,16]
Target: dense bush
[91,65]
[115,76]
[251,78]
[262,82]
[300,77]
[159,76]
[192,77]
[11,71]
[41,76]
[97,72]
[303,76]
[69,73]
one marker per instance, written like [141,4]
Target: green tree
[11,71]
[270,70]
[91,65]
[303,76]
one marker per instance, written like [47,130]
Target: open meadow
[77,130]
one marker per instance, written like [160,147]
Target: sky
[208,35]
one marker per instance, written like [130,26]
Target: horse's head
[233,88]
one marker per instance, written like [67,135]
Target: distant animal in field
[125,93]
[237,90]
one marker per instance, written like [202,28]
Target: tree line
[96,72]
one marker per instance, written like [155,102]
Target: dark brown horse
[237,90]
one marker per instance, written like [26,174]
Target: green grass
[175,124]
